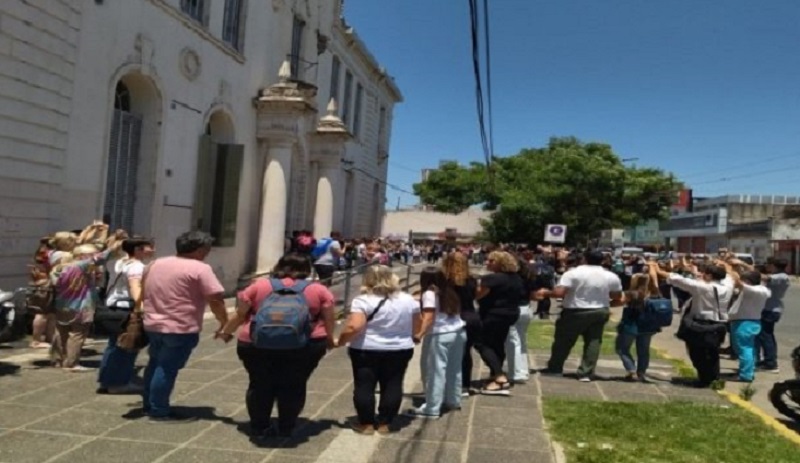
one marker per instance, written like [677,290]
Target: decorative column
[283,109]
[328,151]
[272,228]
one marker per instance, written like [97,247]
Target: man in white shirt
[711,295]
[587,291]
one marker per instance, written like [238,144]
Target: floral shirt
[75,285]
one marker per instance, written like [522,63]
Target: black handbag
[706,331]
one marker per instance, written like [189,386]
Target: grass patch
[610,432]
[541,334]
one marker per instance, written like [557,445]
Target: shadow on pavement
[201,413]
[305,430]
[8,369]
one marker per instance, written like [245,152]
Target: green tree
[583,185]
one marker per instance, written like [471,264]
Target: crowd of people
[284,324]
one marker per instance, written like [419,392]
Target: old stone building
[165,115]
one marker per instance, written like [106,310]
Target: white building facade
[162,116]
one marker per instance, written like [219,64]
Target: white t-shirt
[392,327]
[442,323]
[589,287]
[750,303]
[119,275]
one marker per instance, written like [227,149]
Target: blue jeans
[168,354]
[442,365]
[765,341]
[623,345]
[517,346]
[743,339]
[117,366]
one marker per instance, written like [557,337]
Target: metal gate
[123,161]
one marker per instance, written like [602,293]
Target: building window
[196,9]
[348,93]
[232,23]
[219,169]
[297,47]
[335,71]
[357,110]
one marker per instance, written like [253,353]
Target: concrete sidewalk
[47,415]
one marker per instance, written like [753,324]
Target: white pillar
[272,229]
[323,213]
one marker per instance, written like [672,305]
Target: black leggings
[473,340]
[492,346]
[384,367]
[278,376]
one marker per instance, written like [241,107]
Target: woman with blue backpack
[287,326]
[640,321]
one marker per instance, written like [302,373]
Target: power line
[749,175]
[733,167]
[488,49]
[476,68]
[378,179]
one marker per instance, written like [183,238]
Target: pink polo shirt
[175,294]
[317,296]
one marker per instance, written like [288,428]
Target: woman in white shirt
[380,331]
[117,365]
[745,318]
[444,337]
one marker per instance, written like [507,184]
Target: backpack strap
[299,286]
[380,304]
[277,284]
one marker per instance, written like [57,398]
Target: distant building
[764,226]
[430,225]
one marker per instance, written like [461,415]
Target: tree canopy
[583,185]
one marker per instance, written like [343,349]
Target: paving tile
[391,451]
[514,401]
[81,422]
[502,417]
[293,459]
[588,391]
[112,404]
[215,365]
[192,375]
[493,455]
[311,441]
[330,386]
[16,415]
[109,450]
[509,438]
[60,397]
[228,437]
[145,430]
[217,392]
[449,428]
[29,447]
[213,456]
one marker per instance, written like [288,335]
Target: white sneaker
[585,379]
[421,413]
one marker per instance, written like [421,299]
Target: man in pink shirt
[176,291]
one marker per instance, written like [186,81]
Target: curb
[779,427]
[773,423]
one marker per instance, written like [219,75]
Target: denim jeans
[743,339]
[766,344]
[442,364]
[517,346]
[168,354]
[623,346]
[117,366]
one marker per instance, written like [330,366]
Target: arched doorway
[133,144]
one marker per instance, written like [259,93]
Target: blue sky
[709,90]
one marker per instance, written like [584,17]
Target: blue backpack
[321,248]
[283,320]
[657,314]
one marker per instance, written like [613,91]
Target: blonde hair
[456,268]
[85,250]
[506,263]
[63,241]
[380,280]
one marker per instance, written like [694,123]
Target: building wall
[60,62]
[38,55]
[399,223]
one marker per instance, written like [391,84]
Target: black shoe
[173,418]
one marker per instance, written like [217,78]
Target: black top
[506,294]
[466,295]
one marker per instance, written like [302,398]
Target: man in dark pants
[766,346]
[588,291]
[710,301]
